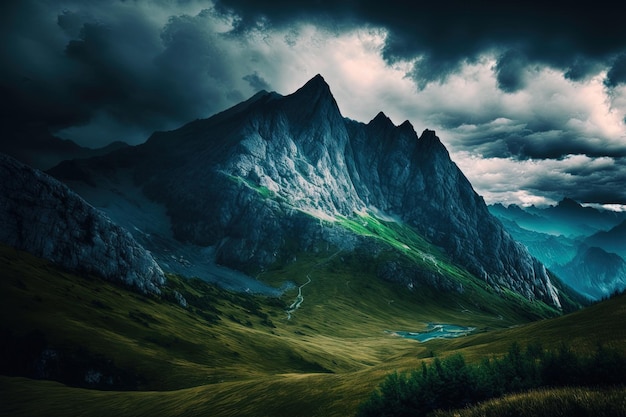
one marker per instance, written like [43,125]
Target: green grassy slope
[549,403]
[232,354]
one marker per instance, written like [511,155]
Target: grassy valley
[228,354]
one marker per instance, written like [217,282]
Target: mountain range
[276,176]
[584,246]
[318,241]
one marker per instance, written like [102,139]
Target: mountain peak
[317,79]
[429,134]
[381,119]
[315,84]
[429,137]
[430,142]
[313,96]
[567,202]
[407,126]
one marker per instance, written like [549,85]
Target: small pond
[436,331]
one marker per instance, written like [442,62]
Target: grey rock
[256,181]
[42,216]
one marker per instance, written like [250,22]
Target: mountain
[525,218]
[560,236]
[613,240]
[40,215]
[568,218]
[551,250]
[36,147]
[278,176]
[582,220]
[595,272]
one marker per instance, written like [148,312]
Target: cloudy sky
[530,100]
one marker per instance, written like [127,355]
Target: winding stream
[299,299]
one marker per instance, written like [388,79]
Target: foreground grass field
[550,403]
[231,354]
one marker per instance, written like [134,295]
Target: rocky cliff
[415,179]
[42,216]
[260,179]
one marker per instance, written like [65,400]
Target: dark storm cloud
[510,71]
[30,74]
[617,73]
[524,143]
[557,144]
[583,178]
[571,36]
[593,183]
[510,85]
[113,61]
[580,68]
[256,81]
[111,66]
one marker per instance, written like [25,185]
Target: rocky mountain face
[269,178]
[42,216]
[414,178]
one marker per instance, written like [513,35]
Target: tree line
[452,383]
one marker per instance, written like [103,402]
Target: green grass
[263,191]
[610,402]
[237,355]
[404,239]
[411,248]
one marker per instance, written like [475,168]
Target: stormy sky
[529,98]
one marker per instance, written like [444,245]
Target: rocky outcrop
[256,180]
[42,216]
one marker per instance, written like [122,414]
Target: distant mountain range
[35,146]
[612,240]
[585,246]
[276,176]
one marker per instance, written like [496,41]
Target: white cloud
[610,207]
[539,182]
[351,63]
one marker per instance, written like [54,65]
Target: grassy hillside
[229,354]
[549,403]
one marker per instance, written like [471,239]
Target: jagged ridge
[303,154]
[42,216]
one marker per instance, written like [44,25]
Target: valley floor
[229,354]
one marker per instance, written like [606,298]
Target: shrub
[451,383]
